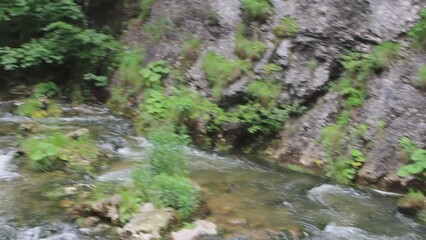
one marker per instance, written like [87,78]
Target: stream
[248,197]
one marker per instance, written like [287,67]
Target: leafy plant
[154,72]
[417,157]
[258,10]
[177,192]
[99,81]
[168,155]
[48,89]
[287,28]
[265,120]
[418,32]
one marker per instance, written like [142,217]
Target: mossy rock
[412,203]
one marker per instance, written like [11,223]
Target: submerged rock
[202,227]
[148,224]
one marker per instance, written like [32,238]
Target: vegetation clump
[54,149]
[287,28]
[39,105]
[164,181]
[247,49]
[258,10]
[418,32]
[221,71]
[417,158]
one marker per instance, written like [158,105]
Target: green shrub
[267,121]
[247,49]
[258,10]
[177,192]
[422,77]
[48,89]
[98,81]
[221,71]
[168,154]
[418,32]
[287,28]
[265,91]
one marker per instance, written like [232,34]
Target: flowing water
[247,197]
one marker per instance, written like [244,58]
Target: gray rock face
[393,99]
[201,228]
[389,18]
[298,141]
[283,52]
[147,224]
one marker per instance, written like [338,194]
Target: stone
[201,228]
[91,221]
[283,52]
[108,208]
[148,224]
[76,134]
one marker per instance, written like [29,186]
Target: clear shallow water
[245,196]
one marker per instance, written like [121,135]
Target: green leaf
[419,155]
